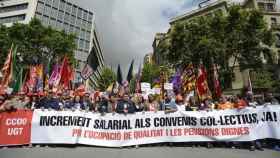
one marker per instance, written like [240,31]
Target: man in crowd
[125,105]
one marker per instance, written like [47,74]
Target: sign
[156,90]
[168,86]
[145,86]
[113,130]
[15,127]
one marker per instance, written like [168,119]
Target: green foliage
[36,43]
[132,84]
[262,79]
[108,77]
[150,72]
[240,36]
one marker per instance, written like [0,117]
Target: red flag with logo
[217,86]
[201,84]
[7,70]
[66,74]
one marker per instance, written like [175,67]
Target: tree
[107,77]
[262,80]
[150,72]
[37,43]
[240,37]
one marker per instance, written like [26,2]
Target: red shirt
[241,104]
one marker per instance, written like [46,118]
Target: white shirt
[181,107]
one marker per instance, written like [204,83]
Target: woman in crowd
[78,103]
[224,104]
[151,104]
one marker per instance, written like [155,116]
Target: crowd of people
[125,103]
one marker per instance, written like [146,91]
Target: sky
[126,28]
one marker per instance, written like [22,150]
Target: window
[13,8]
[40,7]
[90,17]
[66,17]
[84,24]
[89,26]
[80,12]
[87,45]
[62,5]
[72,20]
[49,2]
[47,10]
[68,8]
[78,22]
[81,44]
[270,7]
[54,12]
[88,36]
[85,15]
[60,15]
[74,10]
[55,3]
[12,19]
[83,34]
[273,20]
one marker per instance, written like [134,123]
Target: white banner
[168,86]
[145,86]
[114,130]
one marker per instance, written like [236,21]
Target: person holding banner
[169,104]
[151,104]
[224,104]
[125,105]
[239,102]
[102,105]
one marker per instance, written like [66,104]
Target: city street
[155,152]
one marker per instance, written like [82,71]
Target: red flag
[217,86]
[31,83]
[7,71]
[66,74]
[81,90]
[201,84]
[24,88]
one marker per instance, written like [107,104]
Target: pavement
[141,152]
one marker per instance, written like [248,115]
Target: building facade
[148,59]
[271,16]
[159,40]
[60,15]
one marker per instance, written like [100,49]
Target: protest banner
[145,86]
[168,86]
[157,90]
[114,130]
[15,127]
